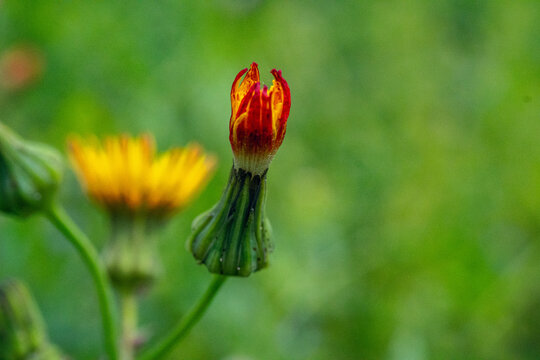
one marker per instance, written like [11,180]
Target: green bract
[130,255]
[29,174]
[233,238]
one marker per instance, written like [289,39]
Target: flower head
[124,174]
[258,119]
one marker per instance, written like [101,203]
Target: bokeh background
[405,199]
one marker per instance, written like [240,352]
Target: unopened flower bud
[23,335]
[30,174]
[233,238]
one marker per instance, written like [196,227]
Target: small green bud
[30,174]
[233,238]
[130,255]
[23,335]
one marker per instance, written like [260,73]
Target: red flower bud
[258,119]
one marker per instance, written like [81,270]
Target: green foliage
[405,200]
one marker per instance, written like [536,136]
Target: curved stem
[58,217]
[186,323]
[128,305]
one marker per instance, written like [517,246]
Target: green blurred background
[405,199]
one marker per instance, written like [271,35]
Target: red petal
[254,108]
[282,121]
[254,91]
[286,94]
[252,77]
[236,79]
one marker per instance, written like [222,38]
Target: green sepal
[30,174]
[131,256]
[23,335]
[233,238]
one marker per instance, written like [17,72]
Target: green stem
[88,253]
[186,323]
[128,303]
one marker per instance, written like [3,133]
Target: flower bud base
[233,238]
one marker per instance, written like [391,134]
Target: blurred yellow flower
[123,173]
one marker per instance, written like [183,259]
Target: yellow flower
[124,174]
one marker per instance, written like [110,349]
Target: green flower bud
[233,238]
[29,174]
[131,255]
[23,335]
